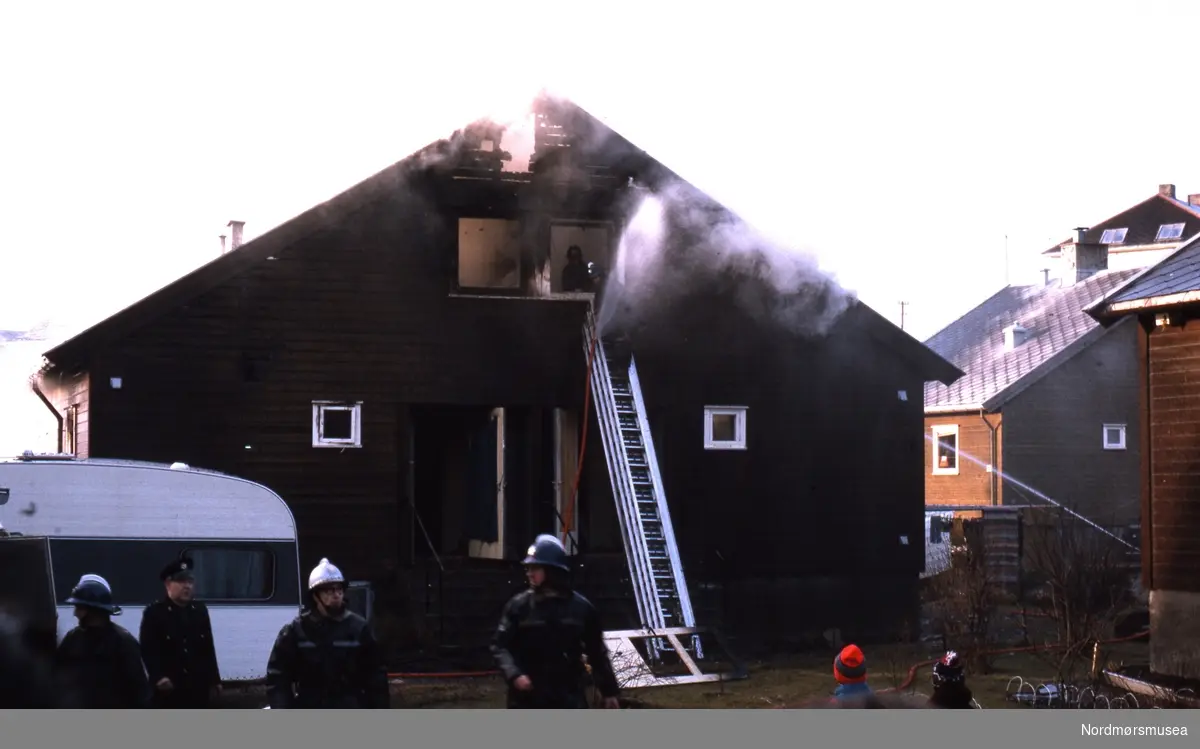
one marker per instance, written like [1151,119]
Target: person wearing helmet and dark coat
[950,690]
[544,634]
[328,657]
[177,643]
[99,661]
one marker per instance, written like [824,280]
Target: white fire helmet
[94,579]
[324,574]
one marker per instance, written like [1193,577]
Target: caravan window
[225,574]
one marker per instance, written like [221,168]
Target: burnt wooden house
[404,365]
[1163,304]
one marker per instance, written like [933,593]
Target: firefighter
[177,643]
[544,634]
[327,658]
[98,660]
[950,690]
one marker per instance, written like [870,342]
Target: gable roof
[461,155]
[1142,222]
[1057,328]
[1173,280]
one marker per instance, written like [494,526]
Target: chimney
[1081,260]
[222,244]
[1194,199]
[1045,276]
[1014,336]
[237,234]
[1167,190]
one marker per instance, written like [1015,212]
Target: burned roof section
[1013,335]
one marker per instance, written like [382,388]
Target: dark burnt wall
[360,311]
[831,478]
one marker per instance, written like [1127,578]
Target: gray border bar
[661,729]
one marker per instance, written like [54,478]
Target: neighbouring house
[1048,398]
[403,365]
[1162,307]
[1142,235]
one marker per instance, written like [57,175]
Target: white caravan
[125,520]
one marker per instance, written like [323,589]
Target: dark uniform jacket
[101,668]
[544,637]
[177,644]
[323,663]
[951,697]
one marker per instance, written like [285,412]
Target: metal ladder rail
[649,523]
[660,496]
[636,530]
[618,471]
[637,554]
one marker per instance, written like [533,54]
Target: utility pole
[902,306]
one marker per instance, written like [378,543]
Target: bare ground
[790,681]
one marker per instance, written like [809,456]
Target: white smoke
[677,241]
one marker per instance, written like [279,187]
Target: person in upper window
[575,276]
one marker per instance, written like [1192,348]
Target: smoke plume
[677,242]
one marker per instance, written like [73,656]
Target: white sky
[900,141]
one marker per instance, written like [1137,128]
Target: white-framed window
[1114,236]
[945,450]
[1114,436]
[1167,232]
[724,427]
[337,424]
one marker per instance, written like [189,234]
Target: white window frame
[945,430]
[318,412]
[1120,444]
[739,415]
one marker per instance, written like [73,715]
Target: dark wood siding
[357,312]
[972,485]
[1054,438]
[814,514]
[1174,522]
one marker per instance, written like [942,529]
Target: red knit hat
[850,667]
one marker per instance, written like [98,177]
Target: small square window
[725,428]
[1114,436]
[945,450]
[337,424]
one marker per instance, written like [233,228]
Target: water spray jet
[1040,495]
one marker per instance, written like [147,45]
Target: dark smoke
[677,241]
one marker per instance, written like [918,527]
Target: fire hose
[912,672]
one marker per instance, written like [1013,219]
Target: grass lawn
[780,682]
[789,681]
